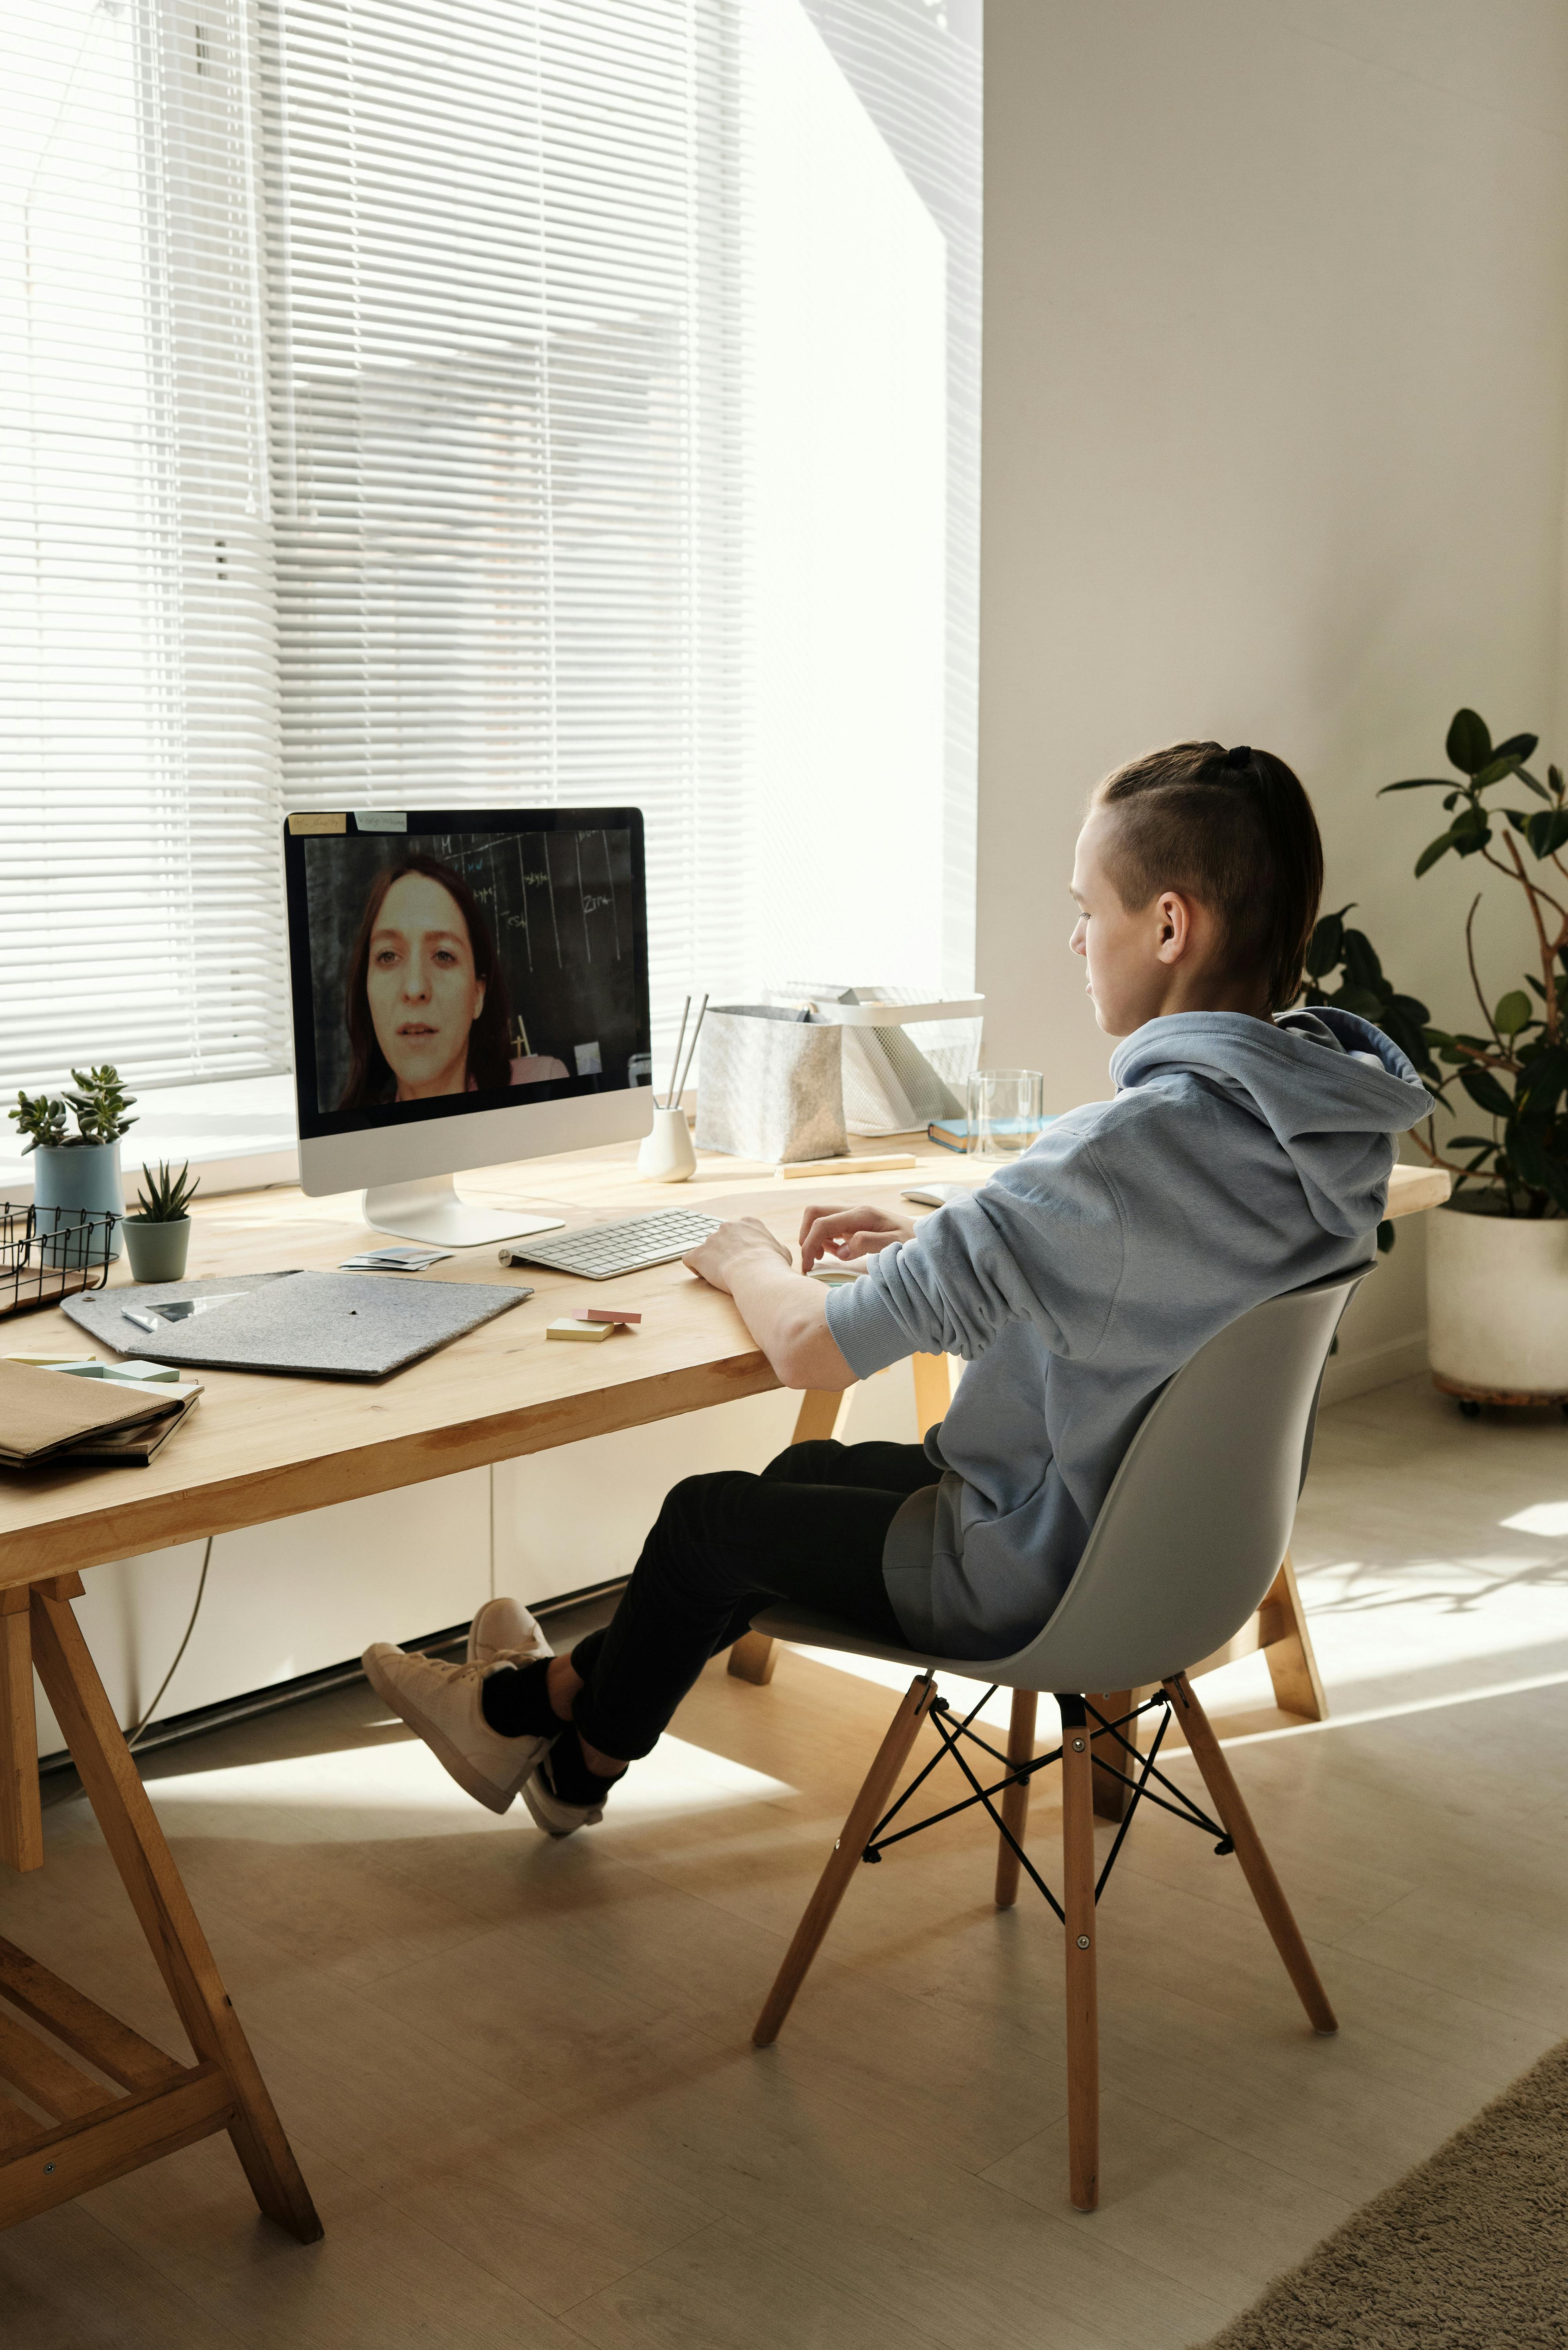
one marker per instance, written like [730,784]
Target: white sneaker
[557,1818]
[504,1633]
[440,1703]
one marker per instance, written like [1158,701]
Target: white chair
[1189,1540]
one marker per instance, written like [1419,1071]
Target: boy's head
[1198,877]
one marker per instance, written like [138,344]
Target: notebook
[133,1446]
[42,1415]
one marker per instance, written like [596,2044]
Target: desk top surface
[264,1447]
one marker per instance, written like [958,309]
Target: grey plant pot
[156,1252]
[84,1176]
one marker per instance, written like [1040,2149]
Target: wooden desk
[258,1449]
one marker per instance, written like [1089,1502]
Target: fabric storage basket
[907,1061]
[771,1084]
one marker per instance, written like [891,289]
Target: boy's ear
[1174,917]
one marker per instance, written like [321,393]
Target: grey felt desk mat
[330,1325]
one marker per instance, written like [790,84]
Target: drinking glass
[1006,1111]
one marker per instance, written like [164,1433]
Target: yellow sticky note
[319,820]
[591,1333]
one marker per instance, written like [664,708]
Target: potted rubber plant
[158,1235]
[1498,1253]
[80,1169]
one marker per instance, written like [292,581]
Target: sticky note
[318,820]
[611,1313]
[592,1332]
[380,820]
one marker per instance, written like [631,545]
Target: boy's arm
[785,1313]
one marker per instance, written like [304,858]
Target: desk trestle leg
[21,1817]
[225,2085]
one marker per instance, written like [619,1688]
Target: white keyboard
[600,1251]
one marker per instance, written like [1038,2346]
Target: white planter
[1497,1302]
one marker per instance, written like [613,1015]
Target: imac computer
[470,988]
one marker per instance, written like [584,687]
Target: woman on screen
[427,1011]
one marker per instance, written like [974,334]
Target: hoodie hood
[1332,1089]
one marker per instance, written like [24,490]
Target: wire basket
[47,1254]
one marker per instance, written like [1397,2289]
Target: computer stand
[432,1211]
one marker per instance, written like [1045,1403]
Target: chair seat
[812,1631]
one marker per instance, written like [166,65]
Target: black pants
[810,1528]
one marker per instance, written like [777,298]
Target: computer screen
[452,962]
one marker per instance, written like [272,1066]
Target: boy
[1247,1151]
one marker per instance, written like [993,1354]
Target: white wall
[1275,408]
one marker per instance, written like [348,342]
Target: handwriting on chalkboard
[509,873]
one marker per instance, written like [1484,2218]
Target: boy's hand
[848,1231]
[716,1257]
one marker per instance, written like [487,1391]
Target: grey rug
[1468,2253]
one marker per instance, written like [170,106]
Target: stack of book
[59,1409]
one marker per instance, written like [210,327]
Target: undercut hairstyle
[1233,829]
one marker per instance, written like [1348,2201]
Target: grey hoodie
[1238,1159]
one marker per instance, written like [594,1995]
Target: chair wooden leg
[1288,1650]
[845,1858]
[1015,1799]
[21,1816]
[753,1657]
[823,1412]
[1083,2013]
[1112,1795]
[1256,1866]
[146,1870]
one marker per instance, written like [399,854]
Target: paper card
[588,1333]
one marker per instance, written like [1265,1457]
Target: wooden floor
[518,2078]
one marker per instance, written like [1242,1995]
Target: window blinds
[373,443]
[502,331]
[389,417]
[137,767]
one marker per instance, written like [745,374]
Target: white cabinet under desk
[284,1599]
[304,1593]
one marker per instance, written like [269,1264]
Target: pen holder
[667,1156]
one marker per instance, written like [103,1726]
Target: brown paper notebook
[128,1447]
[41,1413]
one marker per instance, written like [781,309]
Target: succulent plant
[100,1104]
[167,1198]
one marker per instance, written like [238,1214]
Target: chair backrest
[1195,1526]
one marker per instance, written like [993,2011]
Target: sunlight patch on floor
[376,1793]
[1541,1518]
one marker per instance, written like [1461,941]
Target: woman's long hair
[370,1079]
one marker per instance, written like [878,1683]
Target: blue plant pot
[85,1177]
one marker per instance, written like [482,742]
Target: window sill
[237,1135]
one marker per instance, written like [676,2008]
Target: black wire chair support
[954,1734]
